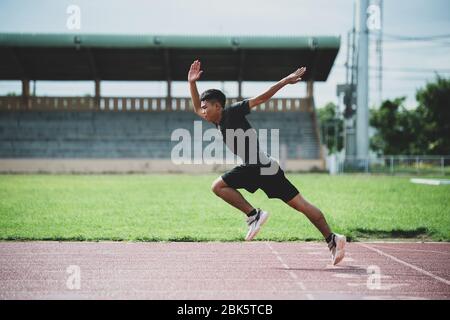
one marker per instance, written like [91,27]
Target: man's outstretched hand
[296,76]
[194,72]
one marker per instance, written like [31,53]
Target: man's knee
[217,185]
[299,203]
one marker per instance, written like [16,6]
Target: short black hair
[214,95]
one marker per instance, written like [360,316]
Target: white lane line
[328,259]
[418,250]
[383,287]
[291,273]
[316,253]
[447,282]
[347,276]
[282,263]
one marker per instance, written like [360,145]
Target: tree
[331,128]
[397,128]
[434,112]
[424,130]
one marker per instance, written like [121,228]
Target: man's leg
[255,218]
[312,213]
[336,242]
[232,196]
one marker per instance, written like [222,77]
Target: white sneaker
[337,248]
[255,222]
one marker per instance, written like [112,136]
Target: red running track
[217,270]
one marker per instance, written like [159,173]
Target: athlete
[258,170]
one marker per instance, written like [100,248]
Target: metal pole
[336,135]
[347,61]
[392,165]
[380,55]
[362,111]
[443,166]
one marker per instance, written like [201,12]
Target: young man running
[251,176]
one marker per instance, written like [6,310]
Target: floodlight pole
[362,110]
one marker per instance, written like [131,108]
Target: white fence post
[443,166]
[417,165]
[333,164]
[392,165]
[283,156]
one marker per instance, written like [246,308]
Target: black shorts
[249,177]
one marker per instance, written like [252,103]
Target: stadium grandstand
[133,134]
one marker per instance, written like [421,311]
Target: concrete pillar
[310,89]
[169,94]
[97,93]
[26,92]
[310,94]
[240,89]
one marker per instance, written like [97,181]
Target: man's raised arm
[294,77]
[193,75]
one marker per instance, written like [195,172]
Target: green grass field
[182,208]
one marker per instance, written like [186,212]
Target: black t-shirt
[233,117]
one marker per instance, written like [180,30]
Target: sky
[407,65]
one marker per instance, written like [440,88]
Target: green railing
[140,104]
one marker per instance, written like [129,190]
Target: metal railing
[410,165]
[130,104]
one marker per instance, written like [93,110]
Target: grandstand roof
[153,57]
